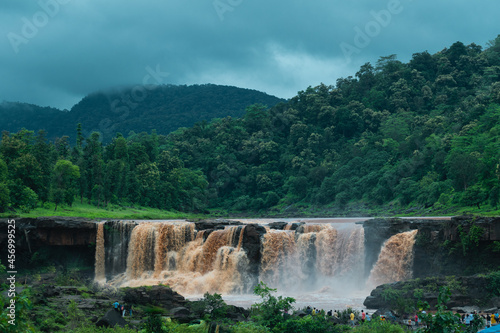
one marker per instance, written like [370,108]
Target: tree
[64,179]
[462,168]
[474,195]
[4,189]
[44,153]
[94,167]
[28,171]
[269,312]
[256,118]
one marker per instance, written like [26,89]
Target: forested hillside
[140,109]
[422,134]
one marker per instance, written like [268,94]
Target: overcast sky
[54,52]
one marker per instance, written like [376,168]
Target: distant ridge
[164,108]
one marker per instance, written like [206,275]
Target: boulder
[300,313]
[278,225]
[466,290]
[181,314]
[111,319]
[236,313]
[161,296]
[215,224]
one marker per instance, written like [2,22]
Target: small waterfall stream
[395,260]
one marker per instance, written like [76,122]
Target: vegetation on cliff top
[418,138]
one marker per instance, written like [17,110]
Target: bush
[249,327]
[378,326]
[212,307]
[270,311]
[307,324]
[494,283]
[93,329]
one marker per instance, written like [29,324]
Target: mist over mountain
[164,108]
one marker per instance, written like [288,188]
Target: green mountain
[164,108]
[421,137]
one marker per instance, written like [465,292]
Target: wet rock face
[62,239]
[252,236]
[161,296]
[466,291]
[216,224]
[116,237]
[491,226]
[430,257]
[54,231]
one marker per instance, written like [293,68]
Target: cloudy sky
[54,52]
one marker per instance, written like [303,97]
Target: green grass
[300,209]
[109,212]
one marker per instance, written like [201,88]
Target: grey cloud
[278,47]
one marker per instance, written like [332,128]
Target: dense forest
[420,134]
[164,108]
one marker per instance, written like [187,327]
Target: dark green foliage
[213,306]
[307,324]
[269,312]
[378,326]
[470,239]
[65,176]
[446,321]
[153,323]
[22,322]
[494,283]
[164,108]
[422,136]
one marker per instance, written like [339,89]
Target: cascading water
[191,262]
[279,258]
[117,237]
[312,257]
[395,260]
[100,255]
[322,259]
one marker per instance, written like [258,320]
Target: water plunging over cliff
[395,260]
[231,259]
[100,254]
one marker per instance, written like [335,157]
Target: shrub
[269,312]
[307,324]
[378,326]
[249,327]
[212,307]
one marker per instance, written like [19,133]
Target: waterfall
[301,258]
[117,237]
[100,255]
[279,258]
[312,257]
[395,260]
[191,262]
